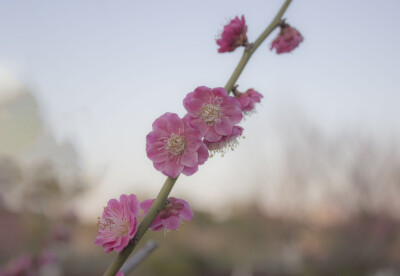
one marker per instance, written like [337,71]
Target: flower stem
[143,226]
[169,182]
[249,51]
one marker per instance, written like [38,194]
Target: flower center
[115,225]
[209,113]
[176,144]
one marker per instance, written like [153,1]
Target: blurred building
[35,168]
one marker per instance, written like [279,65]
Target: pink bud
[288,39]
[233,36]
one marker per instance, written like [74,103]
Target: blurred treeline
[339,212]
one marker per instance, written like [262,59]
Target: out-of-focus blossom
[233,36]
[29,265]
[229,142]
[175,146]
[118,223]
[248,99]
[119,273]
[213,112]
[288,39]
[171,215]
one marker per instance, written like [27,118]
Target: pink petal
[211,135]
[189,158]
[125,204]
[193,143]
[186,213]
[171,223]
[224,126]
[156,225]
[193,106]
[202,154]
[114,207]
[200,125]
[159,166]
[220,92]
[161,122]
[145,205]
[132,226]
[155,154]
[156,135]
[175,124]
[231,109]
[236,118]
[244,101]
[172,167]
[135,205]
[203,93]
[124,242]
[188,171]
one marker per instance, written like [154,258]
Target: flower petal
[211,135]
[188,171]
[173,167]
[193,106]
[224,126]
[171,223]
[189,159]
[202,154]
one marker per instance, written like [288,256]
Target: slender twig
[136,259]
[169,183]
[249,51]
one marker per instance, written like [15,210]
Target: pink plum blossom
[288,39]
[213,112]
[233,36]
[248,99]
[171,215]
[175,146]
[118,223]
[119,273]
[226,142]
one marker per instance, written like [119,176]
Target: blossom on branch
[171,216]
[287,40]
[118,223]
[175,146]
[213,112]
[226,143]
[233,36]
[248,99]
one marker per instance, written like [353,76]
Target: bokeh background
[313,189]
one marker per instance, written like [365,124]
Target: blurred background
[313,189]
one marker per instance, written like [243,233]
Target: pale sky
[103,71]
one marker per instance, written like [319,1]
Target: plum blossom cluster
[118,223]
[234,35]
[179,145]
